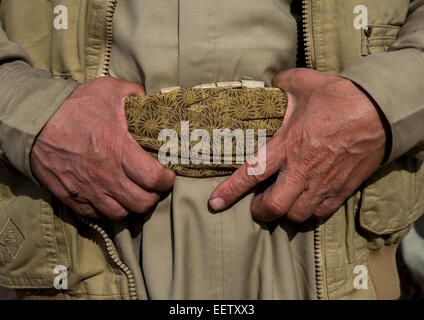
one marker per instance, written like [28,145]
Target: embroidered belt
[205,131]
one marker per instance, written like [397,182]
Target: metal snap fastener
[367,30]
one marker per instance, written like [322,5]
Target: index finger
[246,177]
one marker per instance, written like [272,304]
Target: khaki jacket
[40,67]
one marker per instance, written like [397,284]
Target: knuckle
[321,192]
[85,210]
[296,176]
[254,179]
[296,216]
[327,207]
[110,208]
[148,203]
[274,206]
[153,177]
[319,214]
[242,181]
[119,214]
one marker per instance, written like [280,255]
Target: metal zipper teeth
[110,11]
[112,254]
[319,275]
[307,40]
[306,17]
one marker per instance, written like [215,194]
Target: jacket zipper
[307,33]
[309,59]
[110,11]
[112,254]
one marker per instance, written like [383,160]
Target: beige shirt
[162,43]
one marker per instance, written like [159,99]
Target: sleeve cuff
[394,80]
[28,99]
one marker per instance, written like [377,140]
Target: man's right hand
[86,157]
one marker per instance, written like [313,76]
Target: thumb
[127,89]
[135,89]
[299,80]
[286,80]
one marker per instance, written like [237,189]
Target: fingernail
[217,203]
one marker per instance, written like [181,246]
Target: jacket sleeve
[28,98]
[395,80]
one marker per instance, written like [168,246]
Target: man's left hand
[331,140]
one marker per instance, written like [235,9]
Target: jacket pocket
[378,38]
[32,242]
[391,201]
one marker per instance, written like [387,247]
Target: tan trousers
[188,252]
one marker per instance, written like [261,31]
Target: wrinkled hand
[86,157]
[331,140]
